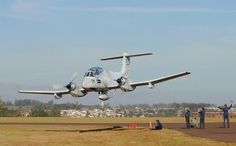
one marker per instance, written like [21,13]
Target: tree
[2,103]
[39,113]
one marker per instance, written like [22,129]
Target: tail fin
[126,61]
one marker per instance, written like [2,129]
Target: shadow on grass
[114,128]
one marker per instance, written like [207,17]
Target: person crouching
[158,125]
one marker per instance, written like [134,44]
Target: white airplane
[100,80]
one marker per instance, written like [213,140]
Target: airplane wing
[56,92]
[159,80]
[154,81]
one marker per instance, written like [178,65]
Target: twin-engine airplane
[100,80]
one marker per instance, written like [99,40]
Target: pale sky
[44,42]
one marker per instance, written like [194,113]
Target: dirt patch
[212,131]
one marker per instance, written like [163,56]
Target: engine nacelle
[104,97]
[57,96]
[77,93]
[72,86]
[127,88]
[124,84]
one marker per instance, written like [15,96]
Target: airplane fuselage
[98,79]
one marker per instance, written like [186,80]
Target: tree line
[50,109]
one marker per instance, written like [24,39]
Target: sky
[42,43]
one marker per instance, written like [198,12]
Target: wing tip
[187,72]
[19,91]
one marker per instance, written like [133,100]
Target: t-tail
[125,69]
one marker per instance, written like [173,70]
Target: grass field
[69,135]
[60,135]
[101,120]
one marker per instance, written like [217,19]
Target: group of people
[193,123]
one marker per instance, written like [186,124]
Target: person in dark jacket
[225,109]
[202,118]
[158,125]
[187,118]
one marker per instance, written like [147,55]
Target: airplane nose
[89,83]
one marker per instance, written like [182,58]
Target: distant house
[26,114]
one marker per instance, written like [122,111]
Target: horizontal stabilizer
[126,55]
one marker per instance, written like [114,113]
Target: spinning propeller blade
[71,84]
[74,77]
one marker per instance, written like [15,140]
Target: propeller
[121,80]
[72,85]
[56,87]
[74,77]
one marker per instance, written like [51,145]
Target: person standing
[225,109]
[187,119]
[202,118]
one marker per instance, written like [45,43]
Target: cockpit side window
[87,74]
[91,74]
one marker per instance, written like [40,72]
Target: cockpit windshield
[94,71]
